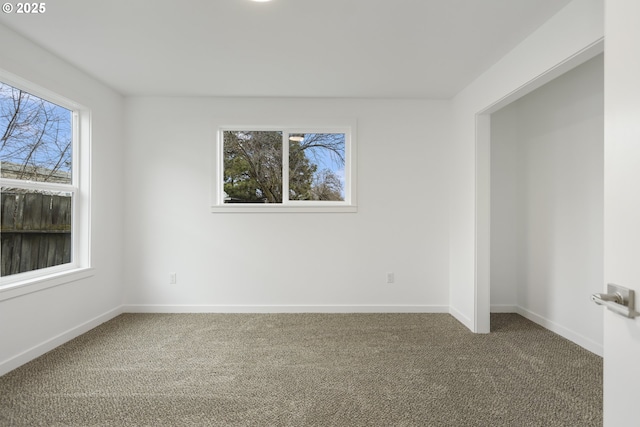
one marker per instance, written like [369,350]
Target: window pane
[316,166]
[36,137]
[35,229]
[252,166]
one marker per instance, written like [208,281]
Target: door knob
[617,299]
[602,298]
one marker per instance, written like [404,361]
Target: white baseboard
[504,308]
[48,345]
[468,323]
[575,337]
[166,308]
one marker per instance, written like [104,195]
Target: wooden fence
[35,231]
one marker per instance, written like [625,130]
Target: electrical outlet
[172,278]
[391,277]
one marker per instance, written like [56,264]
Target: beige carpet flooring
[307,370]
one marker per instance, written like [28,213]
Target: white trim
[572,336]
[278,208]
[40,282]
[82,178]
[231,308]
[461,317]
[56,341]
[580,57]
[482,201]
[38,185]
[285,166]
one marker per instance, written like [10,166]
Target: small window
[41,198]
[285,169]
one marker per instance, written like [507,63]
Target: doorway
[543,203]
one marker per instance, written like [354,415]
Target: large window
[286,169]
[44,211]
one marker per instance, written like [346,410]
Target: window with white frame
[43,179]
[262,168]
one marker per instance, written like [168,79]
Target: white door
[622,208]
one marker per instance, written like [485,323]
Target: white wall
[573,30]
[547,157]
[36,322]
[281,261]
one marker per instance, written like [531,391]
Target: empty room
[305,212]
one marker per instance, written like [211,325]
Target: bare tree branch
[36,137]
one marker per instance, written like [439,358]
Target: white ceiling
[310,48]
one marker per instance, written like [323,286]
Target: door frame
[482,247]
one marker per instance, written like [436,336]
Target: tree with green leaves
[253,166]
[301,173]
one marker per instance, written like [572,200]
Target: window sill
[262,208]
[36,284]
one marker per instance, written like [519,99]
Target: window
[43,179]
[285,169]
